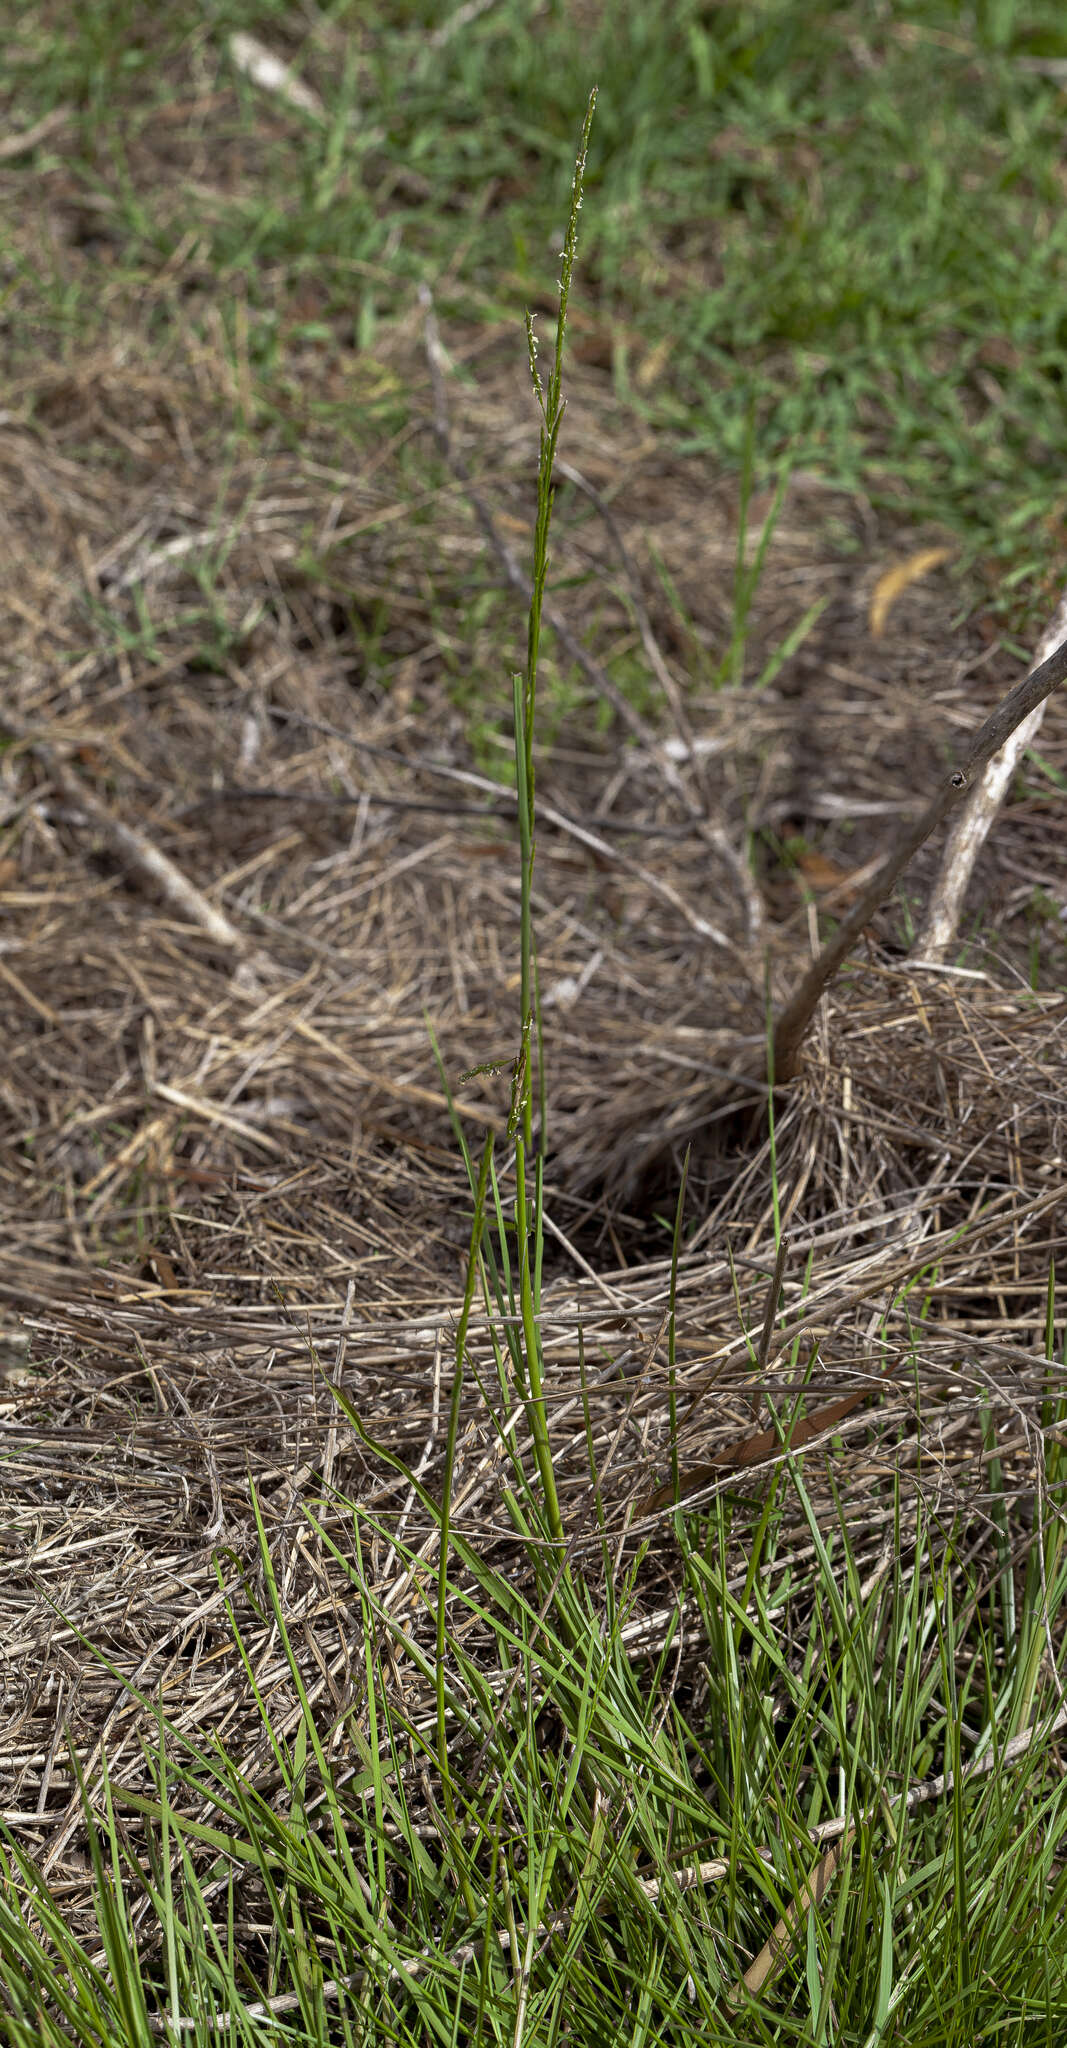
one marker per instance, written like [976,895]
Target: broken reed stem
[973,823]
[133,849]
[1028,693]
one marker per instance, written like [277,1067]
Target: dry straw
[227,1171]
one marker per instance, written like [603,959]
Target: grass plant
[846,1827]
[823,1804]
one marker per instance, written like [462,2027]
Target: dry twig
[1020,703]
[134,849]
[972,826]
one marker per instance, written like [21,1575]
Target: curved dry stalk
[972,827]
[1019,705]
[841,1832]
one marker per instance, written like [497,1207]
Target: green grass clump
[587,1855]
[849,219]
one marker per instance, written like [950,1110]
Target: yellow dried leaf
[650,369]
[896,580]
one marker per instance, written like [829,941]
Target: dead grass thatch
[227,1171]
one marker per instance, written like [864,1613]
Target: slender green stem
[477,1227]
[552,405]
[530,1227]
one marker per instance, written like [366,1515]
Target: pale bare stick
[688,1877]
[972,827]
[20,142]
[470,11]
[841,1832]
[133,849]
[272,74]
[1019,704]
[777,1947]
